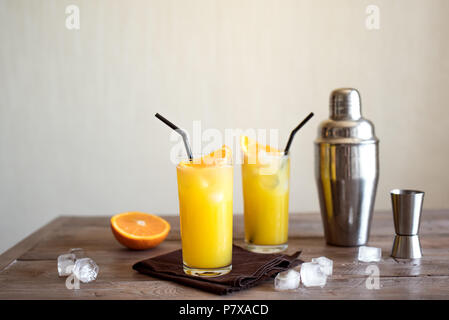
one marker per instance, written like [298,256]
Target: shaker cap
[345,104]
[346,124]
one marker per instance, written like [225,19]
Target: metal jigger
[407,206]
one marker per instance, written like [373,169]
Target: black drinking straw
[292,134]
[180,132]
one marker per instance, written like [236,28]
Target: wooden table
[29,269]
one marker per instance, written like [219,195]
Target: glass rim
[198,158]
[400,192]
[270,157]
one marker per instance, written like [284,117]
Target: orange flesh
[250,146]
[220,156]
[140,224]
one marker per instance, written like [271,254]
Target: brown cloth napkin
[248,270]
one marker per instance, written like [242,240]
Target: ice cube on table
[287,280]
[66,262]
[325,264]
[369,254]
[78,252]
[312,276]
[86,270]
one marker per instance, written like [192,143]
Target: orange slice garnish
[251,149]
[218,157]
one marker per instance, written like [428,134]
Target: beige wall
[77,132]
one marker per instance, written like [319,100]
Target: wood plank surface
[29,269]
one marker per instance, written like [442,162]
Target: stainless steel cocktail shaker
[346,170]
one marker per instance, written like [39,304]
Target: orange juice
[205,190]
[265,176]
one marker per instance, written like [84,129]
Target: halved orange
[138,230]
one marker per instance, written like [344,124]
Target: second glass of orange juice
[205,190]
[265,177]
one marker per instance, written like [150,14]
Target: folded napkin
[248,270]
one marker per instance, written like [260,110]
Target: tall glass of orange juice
[205,187]
[265,177]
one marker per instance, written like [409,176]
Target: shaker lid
[346,124]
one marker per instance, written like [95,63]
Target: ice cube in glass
[269,181]
[216,196]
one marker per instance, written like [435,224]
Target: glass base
[257,248]
[199,272]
